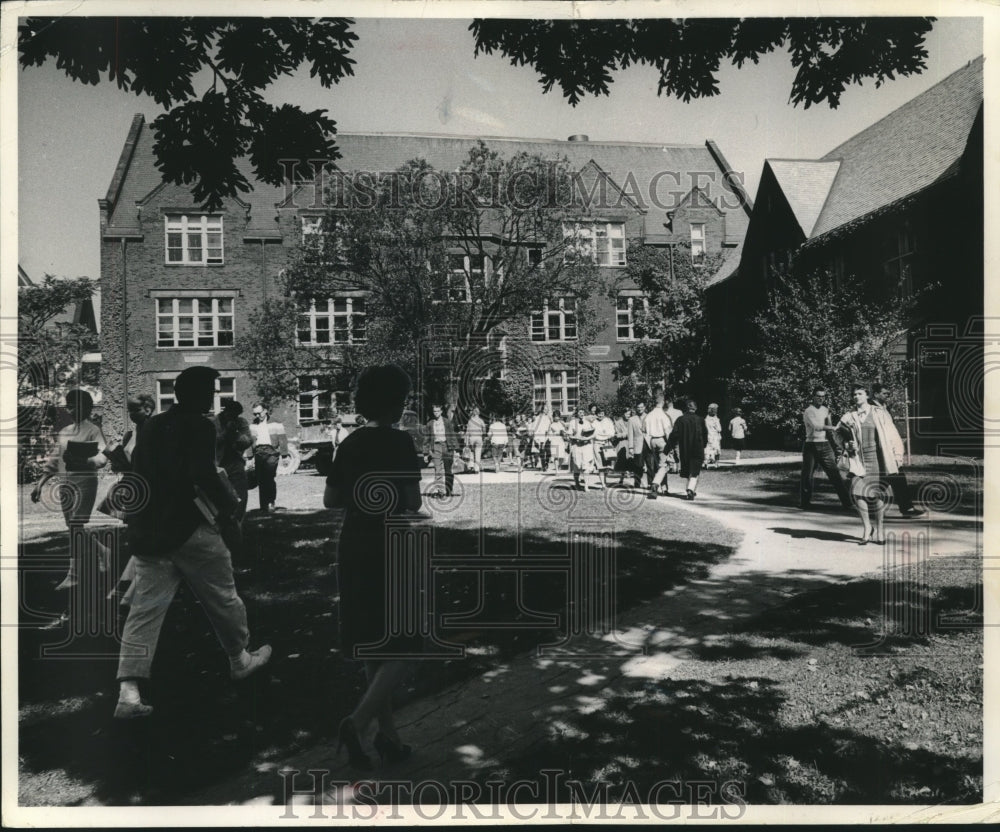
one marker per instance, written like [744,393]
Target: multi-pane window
[555,322]
[319,398]
[698,243]
[557,389]
[194,240]
[194,322]
[626,307]
[337,320]
[602,242]
[225,391]
[463,270]
[898,256]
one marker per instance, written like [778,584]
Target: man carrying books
[175,535]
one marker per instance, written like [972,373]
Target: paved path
[470,728]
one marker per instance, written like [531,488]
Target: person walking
[900,488]
[622,464]
[380,461]
[77,455]
[580,435]
[174,539]
[475,434]
[713,450]
[441,444]
[673,414]
[140,408]
[539,437]
[498,441]
[689,438]
[604,436]
[557,441]
[269,445]
[816,450]
[233,439]
[658,427]
[637,447]
[738,431]
[875,450]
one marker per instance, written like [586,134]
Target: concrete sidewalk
[470,729]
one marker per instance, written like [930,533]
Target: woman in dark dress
[689,436]
[375,474]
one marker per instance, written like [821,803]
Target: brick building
[178,283]
[900,203]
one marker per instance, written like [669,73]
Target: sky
[420,76]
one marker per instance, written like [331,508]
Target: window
[898,251]
[337,320]
[462,270]
[225,391]
[603,242]
[312,229]
[194,322]
[556,389]
[698,243]
[319,398]
[555,322]
[534,255]
[626,306]
[194,240]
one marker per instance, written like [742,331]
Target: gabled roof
[806,186]
[22,277]
[908,150]
[667,169]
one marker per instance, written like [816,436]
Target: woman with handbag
[873,449]
[580,434]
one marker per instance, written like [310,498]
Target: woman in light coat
[874,449]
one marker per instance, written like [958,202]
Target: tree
[672,322]
[200,137]
[49,355]
[445,263]
[817,333]
[828,53]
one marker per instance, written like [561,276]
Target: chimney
[579,137]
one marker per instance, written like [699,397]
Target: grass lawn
[822,700]
[205,728]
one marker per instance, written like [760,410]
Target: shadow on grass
[206,728]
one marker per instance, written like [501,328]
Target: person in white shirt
[816,450]
[475,431]
[580,434]
[658,427]
[539,433]
[269,443]
[604,434]
[738,430]
[557,441]
[498,441]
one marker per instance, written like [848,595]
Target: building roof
[669,170]
[806,186]
[908,150]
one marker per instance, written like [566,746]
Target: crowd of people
[594,446]
[195,471]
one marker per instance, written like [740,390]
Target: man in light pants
[658,427]
[174,540]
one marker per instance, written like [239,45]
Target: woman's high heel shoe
[391,751]
[347,735]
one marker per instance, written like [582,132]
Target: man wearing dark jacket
[173,539]
[440,444]
[689,437]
